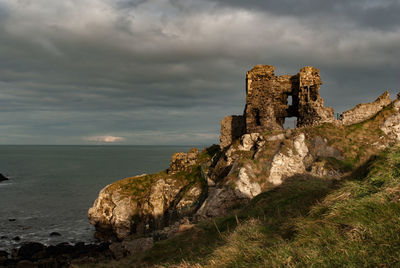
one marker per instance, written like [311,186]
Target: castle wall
[311,110]
[365,111]
[266,99]
[232,127]
[267,103]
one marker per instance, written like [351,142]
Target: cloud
[381,15]
[172,68]
[106,139]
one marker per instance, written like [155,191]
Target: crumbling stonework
[232,127]
[391,126]
[267,99]
[310,109]
[180,161]
[365,111]
[267,102]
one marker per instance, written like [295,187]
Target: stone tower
[267,102]
[267,97]
[310,109]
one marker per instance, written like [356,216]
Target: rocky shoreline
[34,254]
[254,156]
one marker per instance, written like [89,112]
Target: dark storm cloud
[166,71]
[380,14]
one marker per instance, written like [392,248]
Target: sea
[51,188]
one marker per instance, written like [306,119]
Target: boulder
[391,126]
[25,264]
[250,141]
[289,160]
[29,250]
[131,246]
[3,257]
[3,178]
[244,182]
[142,204]
[53,234]
[237,189]
[3,254]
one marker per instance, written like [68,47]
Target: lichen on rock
[363,111]
[181,161]
[255,154]
[289,163]
[142,204]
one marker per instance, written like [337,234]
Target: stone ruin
[365,110]
[267,102]
[270,99]
[180,161]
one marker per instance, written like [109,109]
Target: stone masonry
[180,161]
[271,99]
[267,99]
[267,102]
[364,111]
[232,127]
[310,108]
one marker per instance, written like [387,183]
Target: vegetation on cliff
[265,195]
[269,196]
[306,221]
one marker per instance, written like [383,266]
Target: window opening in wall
[257,117]
[290,122]
[290,100]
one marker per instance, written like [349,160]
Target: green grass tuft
[305,222]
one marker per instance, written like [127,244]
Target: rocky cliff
[220,178]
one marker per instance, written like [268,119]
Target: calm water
[52,187]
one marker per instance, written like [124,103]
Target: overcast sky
[167,71]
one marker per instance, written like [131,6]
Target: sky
[167,71]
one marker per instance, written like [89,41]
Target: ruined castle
[270,99]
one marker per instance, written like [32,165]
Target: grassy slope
[305,222]
[357,142]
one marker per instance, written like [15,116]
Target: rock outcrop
[364,111]
[240,186]
[181,161]
[131,246]
[255,155]
[33,254]
[391,126]
[3,178]
[289,163]
[142,204]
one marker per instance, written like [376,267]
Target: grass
[306,222]
[357,142]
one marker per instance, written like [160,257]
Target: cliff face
[142,204]
[253,157]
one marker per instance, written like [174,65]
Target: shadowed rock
[3,178]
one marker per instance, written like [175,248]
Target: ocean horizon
[51,187]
